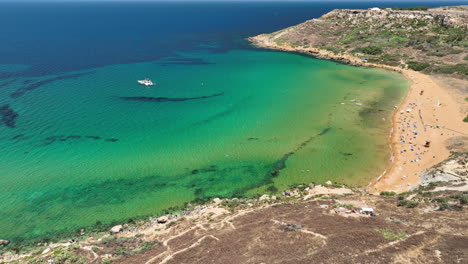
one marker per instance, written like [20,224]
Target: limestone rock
[163,219]
[4,242]
[116,229]
[217,200]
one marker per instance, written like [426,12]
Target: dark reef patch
[8,116]
[6,83]
[18,137]
[281,163]
[93,137]
[168,99]
[61,138]
[185,61]
[21,91]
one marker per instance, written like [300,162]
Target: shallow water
[236,124]
[82,142]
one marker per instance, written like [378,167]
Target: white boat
[146,82]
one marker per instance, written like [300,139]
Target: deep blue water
[47,37]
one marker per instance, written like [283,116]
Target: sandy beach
[428,113]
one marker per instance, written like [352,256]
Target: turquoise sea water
[94,147]
[81,142]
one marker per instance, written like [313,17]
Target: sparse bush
[348,206]
[168,225]
[388,234]
[402,202]
[461,68]
[412,204]
[439,200]
[386,193]
[371,50]
[464,199]
[417,66]
[444,206]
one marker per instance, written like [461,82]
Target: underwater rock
[8,116]
[18,137]
[185,61]
[19,92]
[167,99]
[51,139]
[6,83]
[93,137]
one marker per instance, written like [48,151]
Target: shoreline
[435,121]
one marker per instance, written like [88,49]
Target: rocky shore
[320,222]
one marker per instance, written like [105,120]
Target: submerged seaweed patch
[21,91]
[185,61]
[168,99]
[280,164]
[8,116]
[51,139]
[6,83]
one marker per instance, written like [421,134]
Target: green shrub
[464,199]
[371,50]
[348,206]
[439,200]
[388,193]
[444,206]
[456,34]
[412,204]
[417,66]
[461,68]
[388,234]
[402,202]
[168,225]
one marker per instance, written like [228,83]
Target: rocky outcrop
[116,229]
[452,171]
[162,219]
[4,242]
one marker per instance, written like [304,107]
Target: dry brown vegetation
[424,226]
[433,41]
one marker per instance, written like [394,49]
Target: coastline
[436,113]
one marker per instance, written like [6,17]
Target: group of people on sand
[409,132]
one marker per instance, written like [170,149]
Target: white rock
[217,200]
[116,229]
[264,197]
[163,219]
[4,242]
[328,183]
